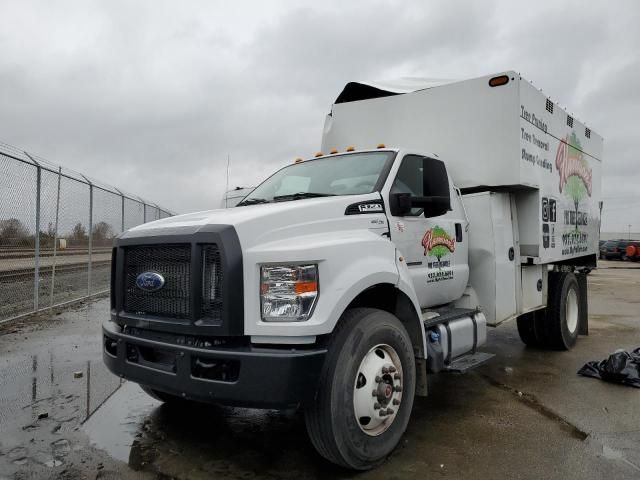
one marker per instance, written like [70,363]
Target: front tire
[365,391]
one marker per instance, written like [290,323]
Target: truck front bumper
[250,376]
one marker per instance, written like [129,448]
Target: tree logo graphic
[574,171]
[437,243]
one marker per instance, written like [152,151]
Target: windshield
[350,174]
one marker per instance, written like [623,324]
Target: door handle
[458,232]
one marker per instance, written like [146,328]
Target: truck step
[467,362]
[437,316]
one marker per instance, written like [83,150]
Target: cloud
[153,96]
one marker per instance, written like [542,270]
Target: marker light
[298,160]
[333,151]
[381,145]
[319,154]
[350,148]
[498,81]
[288,293]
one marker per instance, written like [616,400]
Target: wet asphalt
[524,415]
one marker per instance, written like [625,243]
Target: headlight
[288,293]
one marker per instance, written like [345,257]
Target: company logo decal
[575,174]
[370,207]
[575,178]
[150,281]
[437,243]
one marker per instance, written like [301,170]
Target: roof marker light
[498,81]
[381,145]
[350,148]
[319,154]
[333,151]
[298,160]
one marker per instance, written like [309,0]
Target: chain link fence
[56,231]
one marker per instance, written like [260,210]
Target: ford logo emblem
[150,281]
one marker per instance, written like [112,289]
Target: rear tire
[344,420]
[564,311]
[531,328]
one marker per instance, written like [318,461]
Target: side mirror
[400,204]
[435,185]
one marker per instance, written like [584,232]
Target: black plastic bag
[621,367]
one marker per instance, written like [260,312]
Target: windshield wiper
[300,195]
[252,201]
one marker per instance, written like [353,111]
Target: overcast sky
[152,96]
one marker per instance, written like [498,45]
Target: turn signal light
[306,287]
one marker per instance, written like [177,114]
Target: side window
[409,179]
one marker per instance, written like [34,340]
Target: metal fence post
[36,269]
[55,241]
[122,213]
[144,215]
[90,236]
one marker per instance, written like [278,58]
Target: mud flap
[583,325]
[421,377]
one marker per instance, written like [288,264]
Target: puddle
[49,384]
[113,428]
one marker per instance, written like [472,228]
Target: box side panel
[564,164]
[532,278]
[503,232]
[492,274]
[471,126]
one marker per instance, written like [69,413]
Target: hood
[263,223]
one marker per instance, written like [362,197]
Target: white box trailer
[508,137]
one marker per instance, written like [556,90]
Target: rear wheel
[564,311]
[531,328]
[365,392]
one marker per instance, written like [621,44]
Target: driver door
[427,244]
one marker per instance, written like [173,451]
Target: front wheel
[365,392]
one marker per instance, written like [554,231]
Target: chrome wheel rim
[377,390]
[571,310]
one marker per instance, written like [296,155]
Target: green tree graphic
[575,187]
[439,251]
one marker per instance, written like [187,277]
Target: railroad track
[48,252]
[27,273]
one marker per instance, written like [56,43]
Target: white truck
[342,281]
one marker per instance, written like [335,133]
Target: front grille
[173,262]
[211,283]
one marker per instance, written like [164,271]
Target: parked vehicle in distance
[632,251]
[616,249]
[233,197]
[609,250]
[342,281]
